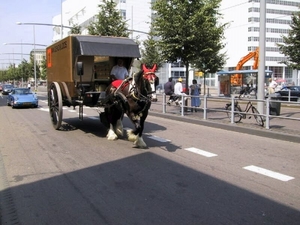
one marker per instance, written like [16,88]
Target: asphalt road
[190,174]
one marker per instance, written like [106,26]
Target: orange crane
[236,79]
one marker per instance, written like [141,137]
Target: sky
[25,11]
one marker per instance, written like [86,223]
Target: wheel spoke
[258,117]
[55,105]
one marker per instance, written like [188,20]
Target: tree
[151,54]
[189,31]
[291,43]
[43,68]
[76,29]
[109,21]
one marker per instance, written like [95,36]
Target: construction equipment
[237,79]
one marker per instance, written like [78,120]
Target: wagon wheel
[55,105]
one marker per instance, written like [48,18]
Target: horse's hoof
[111,136]
[139,143]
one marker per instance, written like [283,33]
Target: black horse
[132,97]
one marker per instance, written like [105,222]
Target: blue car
[22,97]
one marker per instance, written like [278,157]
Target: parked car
[7,88]
[292,91]
[22,97]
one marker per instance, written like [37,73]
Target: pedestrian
[169,90]
[272,85]
[28,85]
[245,91]
[119,71]
[178,91]
[195,92]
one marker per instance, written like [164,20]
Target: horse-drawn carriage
[78,74]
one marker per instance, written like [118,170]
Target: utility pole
[262,56]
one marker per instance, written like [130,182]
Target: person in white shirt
[119,72]
[272,85]
[178,87]
[178,90]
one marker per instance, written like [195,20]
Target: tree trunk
[186,77]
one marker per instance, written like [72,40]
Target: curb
[240,128]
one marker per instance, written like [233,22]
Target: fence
[217,105]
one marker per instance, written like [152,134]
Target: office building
[241,36]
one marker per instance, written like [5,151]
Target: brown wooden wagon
[78,71]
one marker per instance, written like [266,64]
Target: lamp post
[16,53]
[47,24]
[25,44]
[34,59]
[61,20]
[21,60]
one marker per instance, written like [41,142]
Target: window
[123,13]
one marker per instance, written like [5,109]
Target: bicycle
[238,116]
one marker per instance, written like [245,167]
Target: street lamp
[34,56]
[13,53]
[47,24]
[25,44]
[34,44]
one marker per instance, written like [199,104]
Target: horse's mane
[142,84]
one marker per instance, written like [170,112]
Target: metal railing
[204,107]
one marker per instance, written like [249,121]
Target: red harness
[116,83]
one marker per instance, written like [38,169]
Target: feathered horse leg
[136,135]
[111,135]
[119,128]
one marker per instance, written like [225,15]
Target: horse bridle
[136,94]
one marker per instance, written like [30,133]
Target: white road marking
[201,152]
[44,109]
[268,173]
[159,139]
[71,110]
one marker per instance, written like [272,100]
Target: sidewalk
[280,128]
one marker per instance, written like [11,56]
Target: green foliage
[190,31]
[76,29]
[291,43]
[109,21]
[43,69]
[151,54]
[24,70]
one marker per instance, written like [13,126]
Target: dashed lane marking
[268,173]
[44,109]
[201,152]
[159,139]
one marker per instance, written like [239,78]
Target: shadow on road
[141,189]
